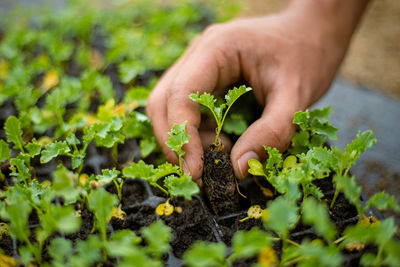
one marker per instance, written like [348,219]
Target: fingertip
[241,167]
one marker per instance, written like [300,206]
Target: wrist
[333,20]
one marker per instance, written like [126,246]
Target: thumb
[274,128]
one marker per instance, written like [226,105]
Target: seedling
[220,111]
[176,182]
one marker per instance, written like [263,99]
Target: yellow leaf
[119,110]
[83,178]
[6,261]
[50,80]
[268,258]
[118,213]
[254,212]
[355,246]
[165,209]
[90,119]
[44,141]
[369,221]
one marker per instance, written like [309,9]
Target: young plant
[176,182]
[220,111]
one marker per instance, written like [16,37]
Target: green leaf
[320,114]
[205,254]
[362,142]
[301,118]
[140,170]
[177,138]
[53,150]
[64,184]
[123,243]
[234,94]
[208,101]
[23,173]
[59,249]
[147,146]
[13,130]
[315,254]
[108,176]
[33,148]
[157,237]
[166,169]
[61,219]
[181,186]
[256,168]
[5,151]
[137,95]
[89,252]
[235,124]
[371,234]
[316,214]
[247,244]
[350,188]
[282,215]
[325,128]
[100,202]
[383,201]
[274,162]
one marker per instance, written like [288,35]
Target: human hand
[289,60]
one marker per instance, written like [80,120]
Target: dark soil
[219,182]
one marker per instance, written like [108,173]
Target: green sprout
[220,112]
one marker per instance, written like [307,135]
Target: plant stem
[334,197]
[160,187]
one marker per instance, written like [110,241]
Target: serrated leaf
[177,138]
[274,162]
[324,128]
[108,176]
[320,114]
[157,237]
[141,170]
[247,244]
[53,150]
[23,173]
[181,186]
[204,254]
[5,151]
[33,148]
[316,214]
[206,100]
[13,130]
[234,94]
[383,201]
[301,118]
[362,142]
[350,188]
[166,169]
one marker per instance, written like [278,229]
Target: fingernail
[243,162]
[185,167]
